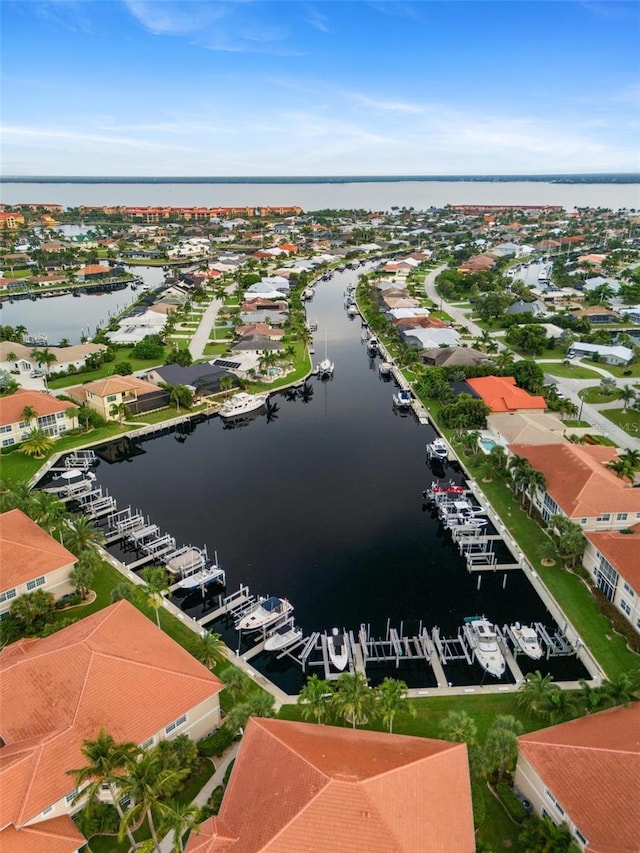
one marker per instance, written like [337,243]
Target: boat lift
[83,459]
[557,644]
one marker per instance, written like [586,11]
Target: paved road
[201,336]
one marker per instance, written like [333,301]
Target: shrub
[512,804]
[216,743]
[618,620]
[215,800]
[227,772]
[97,818]
[479,806]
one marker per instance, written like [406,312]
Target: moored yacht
[481,636]
[403,399]
[282,637]
[264,613]
[338,649]
[437,449]
[241,404]
[527,640]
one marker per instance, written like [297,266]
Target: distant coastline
[595,178]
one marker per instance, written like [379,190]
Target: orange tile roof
[11,407]
[94,269]
[315,787]
[27,551]
[58,835]
[115,670]
[621,550]
[119,384]
[592,767]
[578,479]
[502,394]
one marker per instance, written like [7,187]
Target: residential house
[30,559]
[114,670]
[54,417]
[584,774]
[202,379]
[598,315]
[616,355]
[92,272]
[421,339]
[535,308]
[580,486]
[527,428]
[318,788]
[611,558]
[453,356]
[478,263]
[66,357]
[501,394]
[137,394]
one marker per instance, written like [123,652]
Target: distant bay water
[339,193]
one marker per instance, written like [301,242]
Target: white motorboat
[282,637]
[483,639]
[72,480]
[373,347]
[403,399]
[325,369]
[241,404]
[527,640]
[352,310]
[437,449]
[338,649]
[264,613]
[384,368]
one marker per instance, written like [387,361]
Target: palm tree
[181,818]
[632,457]
[354,698]
[210,649]
[562,706]
[83,572]
[622,469]
[519,468]
[106,762]
[391,697]
[28,414]
[45,509]
[622,690]
[119,411]
[44,357]
[534,481]
[626,394]
[535,691]
[83,534]
[459,727]
[235,681]
[501,745]
[144,784]
[37,444]
[156,583]
[314,697]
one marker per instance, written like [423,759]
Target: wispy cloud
[387,106]
[316,19]
[70,15]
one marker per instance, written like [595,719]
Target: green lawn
[497,831]
[107,369]
[569,371]
[632,370]
[628,419]
[595,395]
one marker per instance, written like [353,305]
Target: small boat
[241,404]
[483,639]
[338,649]
[69,481]
[403,399]
[325,369]
[437,449]
[373,347]
[282,637]
[352,310]
[384,368]
[527,640]
[264,613]
[308,293]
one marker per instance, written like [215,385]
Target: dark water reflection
[321,503]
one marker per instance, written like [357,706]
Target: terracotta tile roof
[118,385]
[370,791]
[11,407]
[502,394]
[27,551]
[58,835]
[578,479]
[94,269]
[113,669]
[592,767]
[621,550]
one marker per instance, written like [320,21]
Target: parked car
[37,374]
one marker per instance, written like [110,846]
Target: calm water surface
[321,503]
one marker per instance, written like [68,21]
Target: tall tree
[156,583]
[535,691]
[392,696]
[144,784]
[210,649]
[315,697]
[501,745]
[82,534]
[353,698]
[107,762]
[459,727]
[181,818]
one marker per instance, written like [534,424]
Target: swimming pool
[487,444]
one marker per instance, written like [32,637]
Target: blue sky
[253,87]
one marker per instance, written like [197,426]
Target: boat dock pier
[232,606]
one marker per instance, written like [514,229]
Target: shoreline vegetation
[578,178]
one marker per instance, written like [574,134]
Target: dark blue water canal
[320,502]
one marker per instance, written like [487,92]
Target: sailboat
[325,368]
